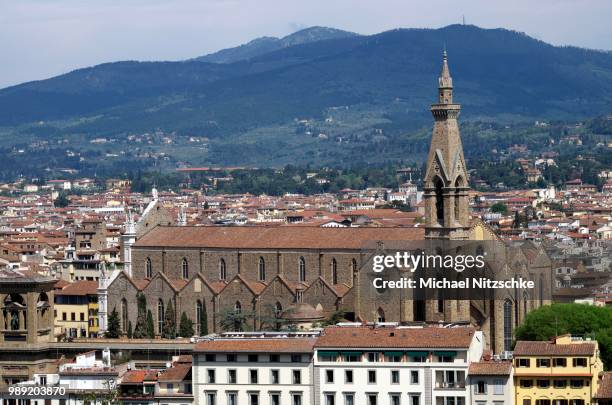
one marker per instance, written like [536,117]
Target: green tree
[129,331]
[185,326]
[61,201]
[499,208]
[141,321]
[150,325]
[203,321]
[114,326]
[169,328]
[232,320]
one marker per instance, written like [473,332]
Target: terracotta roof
[490,368]
[384,337]
[531,348]
[177,372]
[605,386]
[273,237]
[82,287]
[257,345]
[139,376]
[90,371]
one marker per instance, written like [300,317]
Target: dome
[302,312]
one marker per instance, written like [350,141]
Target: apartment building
[564,371]
[76,310]
[254,369]
[491,382]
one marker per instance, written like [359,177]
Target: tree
[114,325]
[234,321]
[129,331]
[61,201]
[516,224]
[185,326]
[499,208]
[169,329]
[141,321]
[203,321]
[150,325]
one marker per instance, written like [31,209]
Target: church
[306,274]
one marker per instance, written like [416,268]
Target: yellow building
[76,310]
[560,372]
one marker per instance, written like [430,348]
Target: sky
[44,38]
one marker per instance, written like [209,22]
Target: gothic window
[438,185]
[334,271]
[278,309]
[507,325]
[199,315]
[440,301]
[185,269]
[262,269]
[124,315]
[148,268]
[238,307]
[458,184]
[302,270]
[525,298]
[380,315]
[222,270]
[160,316]
[541,290]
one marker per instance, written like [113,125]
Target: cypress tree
[141,321]
[150,325]
[185,326]
[203,321]
[129,331]
[114,325]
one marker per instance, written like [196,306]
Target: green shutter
[351,353]
[445,354]
[328,354]
[394,354]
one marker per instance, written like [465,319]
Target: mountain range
[326,83]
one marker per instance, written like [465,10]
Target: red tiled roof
[605,386]
[383,337]
[82,287]
[531,348]
[177,372]
[490,368]
[257,345]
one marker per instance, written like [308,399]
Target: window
[65,317]
[559,362]
[351,357]
[222,270]
[560,384]
[507,325]
[526,401]
[211,398]
[380,315]
[395,399]
[42,380]
[542,401]
[349,398]
[148,268]
[394,358]
[372,399]
[73,316]
[526,383]
[348,376]
[253,376]
[231,376]
[329,376]
[579,362]
[185,269]
[481,387]
[253,398]
[160,316]
[200,318]
[576,383]
[330,399]
[543,383]
[296,399]
[373,357]
[262,270]
[395,377]
[498,387]
[275,376]
[210,358]
[82,316]
[297,376]
[274,358]
[231,358]
[296,358]
[211,376]
[274,398]
[371,376]
[253,358]
[415,400]
[542,362]
[414,377]
[334,271]
[302,270]
[299,295]
[232,398]
[523,362]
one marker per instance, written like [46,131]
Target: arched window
[334,271]
[262,269]
[185,269]
[222,270]
[438,185]
[458,185]
[148,268]
[440,301]
[525,300]
[507,325]
[380,315]
[302,270]
[160,316]
[278,309]
[238,307]
[124,315]
[199,315]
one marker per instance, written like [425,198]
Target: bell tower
[446,179]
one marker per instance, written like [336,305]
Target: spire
[445,80]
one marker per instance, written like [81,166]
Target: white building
[491,382]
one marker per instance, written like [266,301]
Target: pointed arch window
[238,307]
[507,325]
[160,316]
[222,270]
[458,185]
[185,269]
[124,315]
[199,316]
[302,270]
[438,185]
[334,271]
[278,309]
[380,315]
[262,269]
[148,268]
